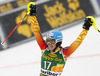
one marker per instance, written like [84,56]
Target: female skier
[54,56]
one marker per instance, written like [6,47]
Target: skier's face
[51,47]
[51,44]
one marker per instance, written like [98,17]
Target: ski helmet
[55,34]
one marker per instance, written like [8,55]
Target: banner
[50,15]
[61,12]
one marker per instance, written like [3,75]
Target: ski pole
[28,12]
[96,29]
[2,43]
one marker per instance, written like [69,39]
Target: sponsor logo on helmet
[52,55]
[51,34]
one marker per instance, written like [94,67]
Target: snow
[24,60]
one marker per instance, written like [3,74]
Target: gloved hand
[31,9]
[87,23]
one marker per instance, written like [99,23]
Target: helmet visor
[51,41]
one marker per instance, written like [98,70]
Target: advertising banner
[50,15]
[61,12]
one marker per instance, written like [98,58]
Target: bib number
[47,64]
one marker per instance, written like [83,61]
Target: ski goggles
[51,41]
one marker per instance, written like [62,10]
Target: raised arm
[76,43]
[88,22]
[31,8]
[37,34]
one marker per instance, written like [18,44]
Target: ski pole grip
[29,7]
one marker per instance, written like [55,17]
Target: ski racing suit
[52,63]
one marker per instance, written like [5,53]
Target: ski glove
[87,23]
[33,10]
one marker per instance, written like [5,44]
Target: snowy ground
[24,60]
